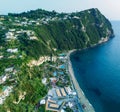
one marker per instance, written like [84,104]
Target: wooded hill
[64,31]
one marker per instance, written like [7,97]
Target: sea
[97,71]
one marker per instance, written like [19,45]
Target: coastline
[80,94]
[84,102]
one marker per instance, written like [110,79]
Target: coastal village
[61,97]
[64,93]
[36,72]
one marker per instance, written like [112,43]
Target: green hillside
[63,31]
[30,35]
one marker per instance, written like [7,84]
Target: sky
[109,8]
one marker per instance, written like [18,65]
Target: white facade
[4,94]
[9,69]
[42,102]
[12,50]
[44,80]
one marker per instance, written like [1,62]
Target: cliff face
[79,30]
[63,31]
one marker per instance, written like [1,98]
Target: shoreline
[82,99]
[80,94]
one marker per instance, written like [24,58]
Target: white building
[33,38]
[5,93]
[52,79]
[12,50]
[70,104]
[1,100]
[1,57]
[62,110]
[68,89]
[44,80]
[3,79]
[9,69]
[42,102]
[11,30]
[74,93]
[10,35]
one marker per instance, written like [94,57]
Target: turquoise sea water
[98,73]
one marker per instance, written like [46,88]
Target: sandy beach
[82,98]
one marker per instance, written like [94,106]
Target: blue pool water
[62,66]
[98,73]
[55,74]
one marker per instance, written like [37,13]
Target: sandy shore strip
[82,98]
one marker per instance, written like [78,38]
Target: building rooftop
[54,105]
[52,101]
[58,92]
[44,80]
[63,92]
[68,89]
[42,101]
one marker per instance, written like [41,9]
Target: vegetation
[29,81]
[63,31]
[32,34]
